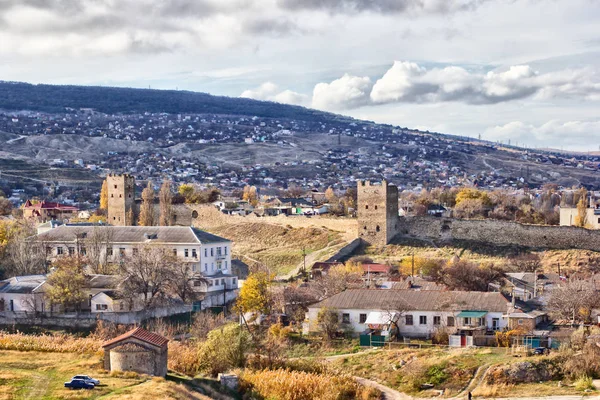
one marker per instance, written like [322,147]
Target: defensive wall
[502,233]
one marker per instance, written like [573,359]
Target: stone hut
[137,350]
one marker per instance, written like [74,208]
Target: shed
[137,350]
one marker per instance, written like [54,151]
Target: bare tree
[182,282]
[97,245]
[147,274]
[463,275]
[393,311]
[147,208]
[573,301]
[26,254]
[165,197]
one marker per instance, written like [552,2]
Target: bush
[291,385]
[183,358]
[584,383]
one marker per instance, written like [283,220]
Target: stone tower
[121,199]
[377,211]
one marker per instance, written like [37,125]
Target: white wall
[415,330]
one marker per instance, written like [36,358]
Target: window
[225,250]
[450,321]
[225,264]
[437,320]
[194,253]
[120,195]
[135,251]
[175,252]
[101,307]
[377,228]
[194,214]
[467,321]
[366,207]
[12,305]
[212,266]
[520,322]
[362,318]
[205,252]
[408,320]
[234,281]
[109,251]
[71,251]
[48,250]
[222,281]
[122,251]
[186,253]
[112,195]
[376,207]
[219,267]
[495,323]
[205,267]
[210,283]
[212,251]
[83,251]
[115,186]
[422,319]
[59,250]
[345,318]
[121,306]
[218,251]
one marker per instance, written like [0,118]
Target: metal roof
[21,284]
[471,314]
[131,234]
[425,300]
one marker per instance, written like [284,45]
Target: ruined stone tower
[377,211]
[121,199]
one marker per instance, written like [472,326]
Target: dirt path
[388,393]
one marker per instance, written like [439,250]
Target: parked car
[79,384]
[87,378]
[540,351]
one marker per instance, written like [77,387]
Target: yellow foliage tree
[187,191]
[104,195]
[250,195]
[473,194]
[330,195]
[66,283]
[255,295]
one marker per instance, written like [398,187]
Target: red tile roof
[140,334]
[49,205]
[376,268]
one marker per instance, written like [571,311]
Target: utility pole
[413,264]
[303,261]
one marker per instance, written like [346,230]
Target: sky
[527,71]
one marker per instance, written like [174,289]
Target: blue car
[79,384]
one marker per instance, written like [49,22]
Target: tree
[573,301]
[97,244]
[529,262]
[295,191]
[147,208]
[25,255]
[225,348]
[328,320]
[330,195]
[250,195]
[204,322]
[338,279]
[473,194]
[581,217]
[463,275]
[165,197]
[104,195]
[188,192]
[66,283]
[469,208]
[182,280]
[255,295]
[5,206]
[147,273]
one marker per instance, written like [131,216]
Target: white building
[418,313]
[208,255]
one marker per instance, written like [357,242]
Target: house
[528,285]
[137,350]
[17,294]
[44,211]
[208,256]
[419,313]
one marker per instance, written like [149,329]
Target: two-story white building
[208,255]
[415,313]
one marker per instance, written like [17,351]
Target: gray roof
[132,234]
[426,300]
[104,281]
[417,284]
[21,284]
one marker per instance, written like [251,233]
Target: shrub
[183,357]
[291,385]
[584,383]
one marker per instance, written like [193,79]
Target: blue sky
[519,70]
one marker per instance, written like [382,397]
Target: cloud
[346,92]
[549,134]
[269,91]
[383,6]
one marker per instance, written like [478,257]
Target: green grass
[36,375]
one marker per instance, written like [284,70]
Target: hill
[55,98]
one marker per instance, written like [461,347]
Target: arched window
[377,228]
[367,207]
[365,227]
[194,214]
[376,207]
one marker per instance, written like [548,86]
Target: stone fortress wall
[371,223]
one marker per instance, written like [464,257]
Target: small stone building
[137,350]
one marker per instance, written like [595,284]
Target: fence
[88,319]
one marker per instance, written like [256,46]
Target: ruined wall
[377,212]
[503,233]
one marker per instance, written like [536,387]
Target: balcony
[220,257]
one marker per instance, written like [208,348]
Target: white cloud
[346,92]
[269,91]
[553,133]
